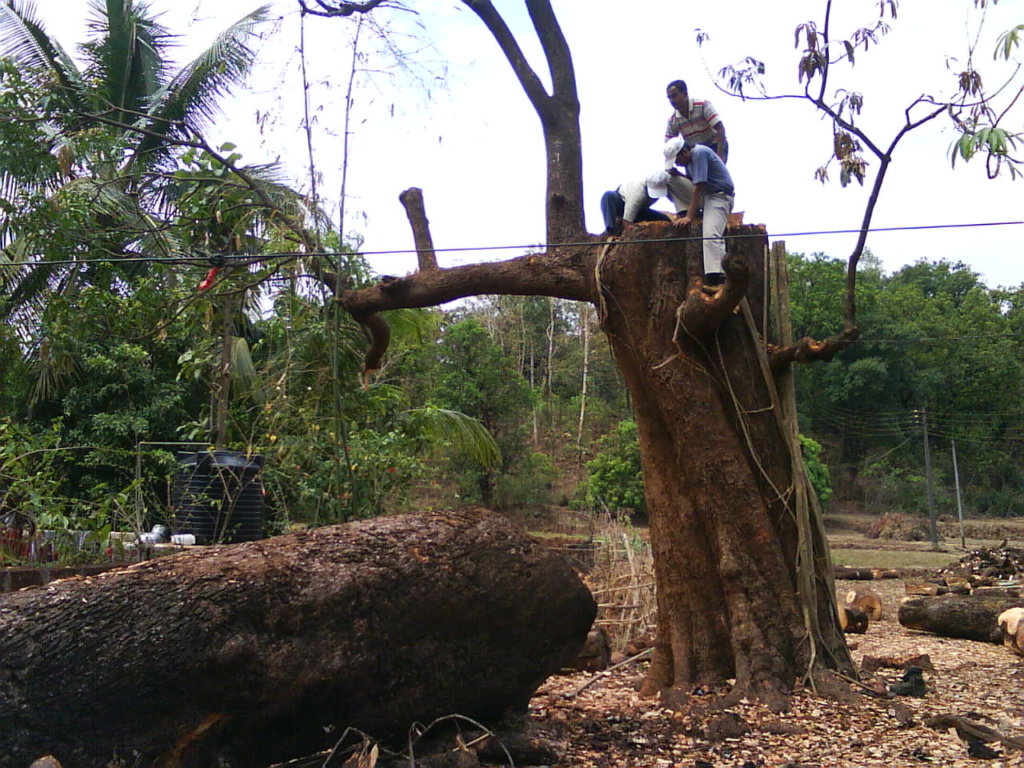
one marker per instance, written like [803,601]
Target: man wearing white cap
[631,202]
[713,191]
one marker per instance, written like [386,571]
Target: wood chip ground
[609,725]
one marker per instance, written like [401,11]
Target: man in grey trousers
[712,190]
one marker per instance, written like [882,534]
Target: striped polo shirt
[697,127]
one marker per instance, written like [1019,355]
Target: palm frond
[459,432]
[28,271]
[413,324]
[190,99]
[41,58]
[52,367]
[127,57]
[23,285]
[244,377]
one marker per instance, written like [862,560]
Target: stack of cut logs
[986,566]
[980,597]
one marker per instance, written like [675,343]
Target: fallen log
[264,651]
[969,617]
[925,588]
[864,574]
[872,664]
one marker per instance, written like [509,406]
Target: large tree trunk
[268,650]
[713,454]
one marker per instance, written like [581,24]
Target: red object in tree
[208,280]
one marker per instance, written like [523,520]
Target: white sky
[475,146]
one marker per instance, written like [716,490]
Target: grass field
[889,558]
[850,546]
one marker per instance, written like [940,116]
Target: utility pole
[959,503]
[928,481]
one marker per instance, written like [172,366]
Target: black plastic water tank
[218,496]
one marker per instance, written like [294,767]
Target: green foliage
[528,484]
[615,473]
[103,187]
[1009,40]
[468,372]
[33,496]
[817,470]
[25,138]
[31,466]
[932,337]
[112,382]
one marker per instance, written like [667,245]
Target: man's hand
[682,222]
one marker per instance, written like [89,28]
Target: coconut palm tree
[115,126]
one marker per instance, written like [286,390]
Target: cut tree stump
[596,653]
[867,601]
[965,616]
[853,620]
[1011,629]
[268,650]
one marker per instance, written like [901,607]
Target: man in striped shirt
[695,121]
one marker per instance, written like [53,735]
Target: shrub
[817,469]
[616,476]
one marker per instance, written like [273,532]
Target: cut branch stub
[380,337]
[807,350]
[412,200]
[703,311]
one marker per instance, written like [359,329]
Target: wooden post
[224,375]
[959,502]
[929,487]
[810,519]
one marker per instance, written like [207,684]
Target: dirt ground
[608,724]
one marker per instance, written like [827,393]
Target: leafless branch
[341,8]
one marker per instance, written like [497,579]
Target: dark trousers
[613,206]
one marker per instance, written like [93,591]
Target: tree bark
[964,616]
[717,471]
[267,650]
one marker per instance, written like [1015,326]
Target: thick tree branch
[531,84]
[379,333]
[556,49]
[807,350]
[565,273]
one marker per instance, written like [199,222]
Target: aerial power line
[235,258]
